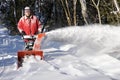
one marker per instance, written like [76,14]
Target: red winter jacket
[29,25]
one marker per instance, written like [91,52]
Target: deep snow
[72,53]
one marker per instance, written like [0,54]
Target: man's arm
[20,27]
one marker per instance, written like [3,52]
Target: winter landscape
[73,53]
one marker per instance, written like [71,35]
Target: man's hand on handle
[23,33]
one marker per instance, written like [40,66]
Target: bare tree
[74,8]
[98,11]
[84,10]
[116,5]
[67,12]
[15,16]
[117,12]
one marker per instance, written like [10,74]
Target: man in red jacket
[29,24]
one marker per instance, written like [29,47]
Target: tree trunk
[84,10]
[15,16]
[66,13]
[116,5]
[97,7]
[117,12]
[74,5]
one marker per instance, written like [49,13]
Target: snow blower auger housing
[32,47]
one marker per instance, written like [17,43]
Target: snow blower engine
[32,47]
[29,42]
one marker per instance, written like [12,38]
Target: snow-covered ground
[74,53]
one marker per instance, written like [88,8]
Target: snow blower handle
[29,37]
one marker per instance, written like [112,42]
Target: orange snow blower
[32,47]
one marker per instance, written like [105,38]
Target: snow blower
[32,47]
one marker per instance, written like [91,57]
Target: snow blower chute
[32,47]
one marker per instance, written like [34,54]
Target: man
[29,24]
